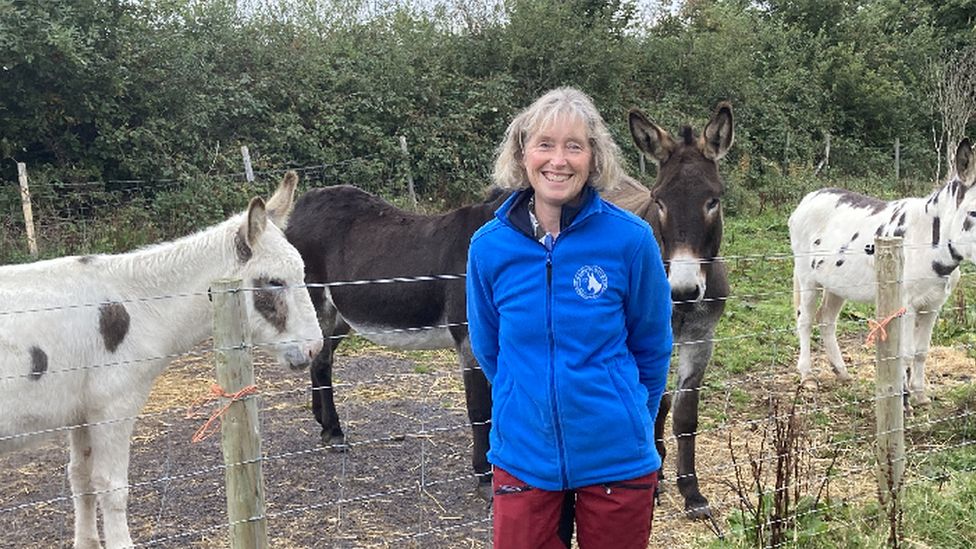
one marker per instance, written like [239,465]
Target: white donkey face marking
[686,276]
[280,309]
[686,214]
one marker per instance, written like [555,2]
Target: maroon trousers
[615,514]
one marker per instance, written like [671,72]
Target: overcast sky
[486,9]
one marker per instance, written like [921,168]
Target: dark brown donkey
[345,234]
[685,210]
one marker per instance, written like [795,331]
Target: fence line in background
[248,175]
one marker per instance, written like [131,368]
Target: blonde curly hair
[561,102]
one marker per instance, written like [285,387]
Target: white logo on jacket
[590,281]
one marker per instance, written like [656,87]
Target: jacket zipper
[549,243]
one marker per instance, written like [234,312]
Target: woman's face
[558,160]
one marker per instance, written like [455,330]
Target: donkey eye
[972,213]
[660,205]
[276,283]
[712,204]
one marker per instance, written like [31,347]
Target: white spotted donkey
[832,234]
[83,338]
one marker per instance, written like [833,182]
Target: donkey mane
[160,259]
[688,135]
[629,194]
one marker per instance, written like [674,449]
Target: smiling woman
[569,315]
[557,163]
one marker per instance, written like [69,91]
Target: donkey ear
[719,132]
[279,205]
[257,219]
[966,162]
[649,137]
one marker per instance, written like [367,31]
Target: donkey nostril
[686,295]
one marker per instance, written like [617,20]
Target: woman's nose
[558,156]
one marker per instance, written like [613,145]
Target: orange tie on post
[878,328]
[216,391]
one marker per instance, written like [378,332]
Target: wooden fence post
[25,202]
[240,438]
[825,163]
[890,382]
[897,160]
[248,171]
[786,153]
[406,156]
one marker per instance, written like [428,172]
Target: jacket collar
[515,210]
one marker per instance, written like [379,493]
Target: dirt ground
[406,482]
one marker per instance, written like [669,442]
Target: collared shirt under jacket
[574,334]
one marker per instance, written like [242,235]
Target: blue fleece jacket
[575,337]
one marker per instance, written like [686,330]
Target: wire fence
[418,474]
[404,476]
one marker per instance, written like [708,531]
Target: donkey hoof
[484,490]
[809,382]
[697,508]
[334,442]
[844,376]
[921,399]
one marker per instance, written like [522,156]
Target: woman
[569,313]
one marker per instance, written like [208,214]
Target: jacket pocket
[502,400]
[630,403]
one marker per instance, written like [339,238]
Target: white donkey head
[279,307]
[962,225]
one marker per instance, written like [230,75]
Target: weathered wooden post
[825,163]
[897,160]
[248,171]
[25,202]
[239,426]
[890,382]
[406,156]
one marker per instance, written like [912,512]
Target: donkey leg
[922,337]
[662,416]
[693,357]
[830,307]
[80,476]
[323,402]
[110,477]
[323,394]
[477,394]
[805,299]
